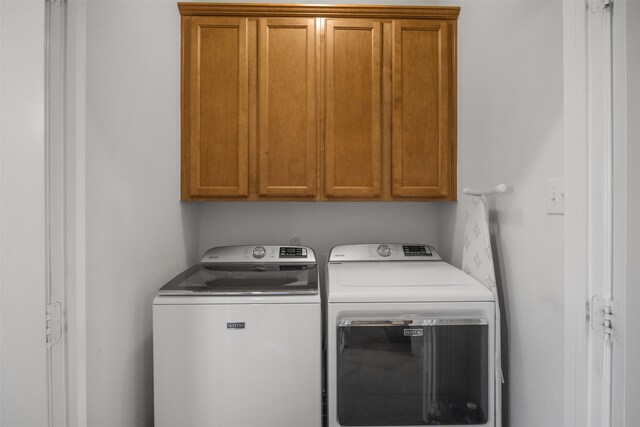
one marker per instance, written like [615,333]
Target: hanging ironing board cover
[477,257]
[477,261]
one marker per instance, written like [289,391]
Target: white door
[23,350]
[33,355]
[602,89]
[614,353]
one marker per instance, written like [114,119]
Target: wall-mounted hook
[500,188]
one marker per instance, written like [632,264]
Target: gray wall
[510,131]
[23,359]
[318,225]
[139,236]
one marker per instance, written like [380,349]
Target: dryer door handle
[346,323]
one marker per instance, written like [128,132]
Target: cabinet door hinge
[607,319]
[54,323]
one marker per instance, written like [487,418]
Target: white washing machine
[237,341]
[411,340]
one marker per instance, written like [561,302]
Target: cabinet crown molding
[324,11]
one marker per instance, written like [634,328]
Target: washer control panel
[258,253]
[384,252]
[293,252]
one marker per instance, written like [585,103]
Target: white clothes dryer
[411,340]
[237,341]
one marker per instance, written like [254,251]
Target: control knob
[384,250]
[259,252]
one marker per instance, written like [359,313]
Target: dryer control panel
[384,252]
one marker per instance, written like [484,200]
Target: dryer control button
[384,250]
[259,252]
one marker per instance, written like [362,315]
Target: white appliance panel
[400,281]
[265,375]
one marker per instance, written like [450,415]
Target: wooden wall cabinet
[297,102]
[423,116]
[287,138]
[215,132]
[353,132]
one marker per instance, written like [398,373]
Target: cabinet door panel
[353,116]
[287,107]
[422,145]
[217,105]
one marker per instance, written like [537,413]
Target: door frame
[66,207]
[65,53]
[596,226]
[75,211]
[576,212]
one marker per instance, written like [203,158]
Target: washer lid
[402,281]
[245,279]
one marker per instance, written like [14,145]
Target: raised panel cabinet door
[423,109]
[353,154]
[287,134]
[216,107]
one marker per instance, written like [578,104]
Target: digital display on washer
[293,252]
[416,250]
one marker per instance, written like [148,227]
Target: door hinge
[54,323]
[607,319]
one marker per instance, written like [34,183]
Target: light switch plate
[555,196]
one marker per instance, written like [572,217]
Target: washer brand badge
[235,325]
[413,332]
